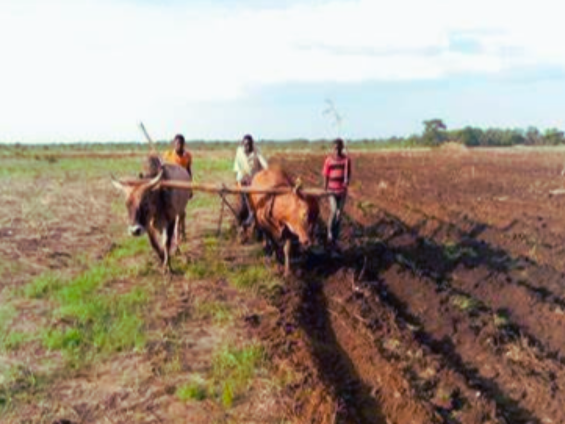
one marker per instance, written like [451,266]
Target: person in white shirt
[248,161]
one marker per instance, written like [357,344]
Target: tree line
[436,133]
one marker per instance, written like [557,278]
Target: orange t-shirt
[185,160]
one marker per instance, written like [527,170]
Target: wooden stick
[221,216]
[149,139]
[225,201]
[213,188]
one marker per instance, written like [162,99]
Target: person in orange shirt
[179,155]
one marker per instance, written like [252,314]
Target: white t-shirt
[248,165]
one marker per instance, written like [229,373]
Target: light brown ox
[156,210]
[283,215]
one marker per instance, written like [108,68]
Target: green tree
[533,137]
[469,136]
[553,136]
[434,132]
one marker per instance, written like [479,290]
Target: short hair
[180,138]
[339,142]
[247,137]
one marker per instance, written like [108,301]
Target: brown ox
[156,210]
[283,215]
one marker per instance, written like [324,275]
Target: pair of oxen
[160,211]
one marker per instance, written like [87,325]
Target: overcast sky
[92,69]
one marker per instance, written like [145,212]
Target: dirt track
[460,309]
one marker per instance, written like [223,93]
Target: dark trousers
[337,203]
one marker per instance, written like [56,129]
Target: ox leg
[287,246]
[168,235]
[155,244]
[181,229]
[269,244]
[175,242]
[183,225]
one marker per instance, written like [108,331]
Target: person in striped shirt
[337,174]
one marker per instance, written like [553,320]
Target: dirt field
[447,306]
[460,308]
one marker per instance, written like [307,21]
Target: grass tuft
[234,369]
[195,390]
[220,312]
[42,286]
[465,303]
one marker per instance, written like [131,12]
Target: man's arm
[325,173]
[237,166]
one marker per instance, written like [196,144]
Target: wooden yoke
[223,189]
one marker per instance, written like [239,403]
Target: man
[337,174]
[179,155]
[248,161]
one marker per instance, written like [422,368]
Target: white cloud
[89,68]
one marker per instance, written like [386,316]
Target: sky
[91,70]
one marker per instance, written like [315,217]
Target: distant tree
[553,136]
[469,136]
[533,137]
[434,132]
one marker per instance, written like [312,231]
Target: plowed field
[448,304]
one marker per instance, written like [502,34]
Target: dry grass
[89,328]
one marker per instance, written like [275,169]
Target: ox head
[302,216]
[138,202]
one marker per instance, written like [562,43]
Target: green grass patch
[203,167]
[501,319]
[465,303]
[7,315]
[13,340]
[251,277]
[135,246]
[203,200]
[241,275]
[195,390]
[233,370]
[18,383]
[91,318]
[219,312]
[454,252]
[68,168]
[42,286]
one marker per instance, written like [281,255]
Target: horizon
[91,70]
[141,140]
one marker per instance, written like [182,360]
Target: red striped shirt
[337,170]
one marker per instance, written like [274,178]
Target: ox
[155,210]
[283,215]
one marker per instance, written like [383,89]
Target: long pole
[148,138]
[214,188]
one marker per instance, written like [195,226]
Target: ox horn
[117,183]
[297,185]
[154,182]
